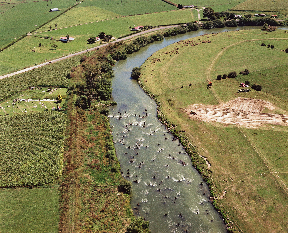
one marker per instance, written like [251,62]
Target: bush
[208,25]
[219,77]
[256,87]
[218,23]
[192,27]
[245,72]
[138,225]
[231,23]
[224,76]
[136,72]
[232,74]
[124,187]
[263,44]
[286,50]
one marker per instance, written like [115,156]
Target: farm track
[85,51]
[208,72]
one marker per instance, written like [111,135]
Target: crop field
[248,158]
[27,20]
[26,210]
[37,159]
[280,6]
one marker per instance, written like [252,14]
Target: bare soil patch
[245,112]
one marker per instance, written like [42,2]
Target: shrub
[286,50]
[232,74]
[224,76]
[124,187]
[247,83]
[208,25]
[245,72]
[256,87]
[263,44]
[217,23]
[219,77]
[136,72]
[138,225]
[192,27]
[231,23]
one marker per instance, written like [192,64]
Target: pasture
[20,19]
[25,210]
[116,27]
[248,176]
[279,6]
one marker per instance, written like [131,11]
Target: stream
[166,189]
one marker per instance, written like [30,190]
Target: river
[166,189]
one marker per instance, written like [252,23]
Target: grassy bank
[245,175]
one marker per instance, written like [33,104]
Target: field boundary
[85,51]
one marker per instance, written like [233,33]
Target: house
[65,40]
[138,28]
[54,9]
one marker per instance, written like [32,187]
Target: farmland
[59,169]
[247,162]
[27,20]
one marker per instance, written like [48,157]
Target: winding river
[166,189]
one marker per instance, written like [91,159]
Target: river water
[166,189]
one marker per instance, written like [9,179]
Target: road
[84,51]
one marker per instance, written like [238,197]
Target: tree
[232,74]
[101,35]
[209,13]
[91,40]
[136,72]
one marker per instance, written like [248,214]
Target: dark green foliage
[125,187]
[263,44]
[208,25]
[224,76]
[138,225]
[219,77]
[101,35]
[217,23]
[209,13]
[256,87]
[232,74]
[192,27]
[231,23]
[119,55]
[91,40]
[136,72]
[286,50]
[82,102]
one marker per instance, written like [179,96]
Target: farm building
[54,9]
[138,28]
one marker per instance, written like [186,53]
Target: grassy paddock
[248,178]
[116,27]
[29,210]
[264,5]
[130,7]
[28,20]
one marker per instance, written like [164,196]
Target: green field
[221,5]
[248,165]
[21,19]
[116,27]
[279,6]
[29,210]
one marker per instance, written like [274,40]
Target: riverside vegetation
[32,202]
[248,180]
